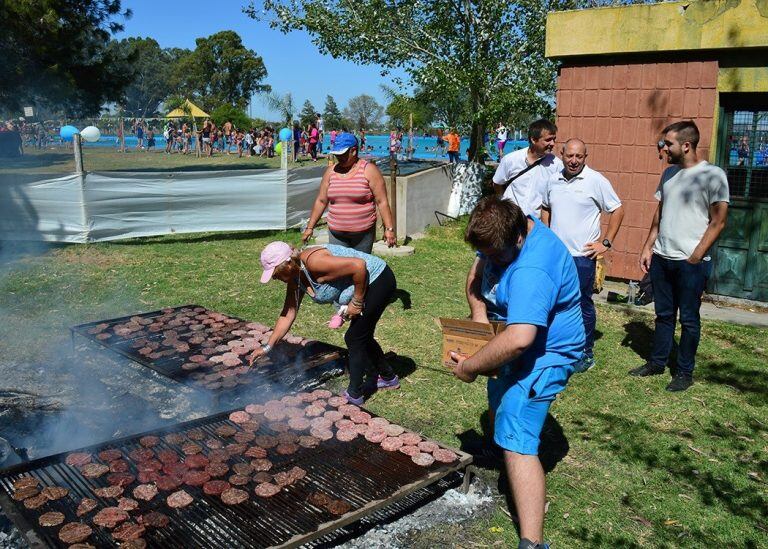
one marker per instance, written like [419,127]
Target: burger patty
[266,489]
[179,499]
[74,532]
[128,531]
[216,487]
[145,492]
[109,517]
[78,459]
[51,518]
[85,506]
[234,496]
[154,519]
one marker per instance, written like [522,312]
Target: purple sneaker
[359,401]
[393,383]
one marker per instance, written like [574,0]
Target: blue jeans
[677,286]
[586,267]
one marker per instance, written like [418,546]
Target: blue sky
[293,62]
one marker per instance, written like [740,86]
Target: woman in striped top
[352,190]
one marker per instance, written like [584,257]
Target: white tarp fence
[108,206]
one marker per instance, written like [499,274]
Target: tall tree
[363,111]
[151,74]
[331,114]
[56,52]
[308,113]
[402,107]
[283,104]
[221,71]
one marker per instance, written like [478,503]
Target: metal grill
[286,367]
[746,153]
[358,472]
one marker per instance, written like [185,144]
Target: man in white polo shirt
[573,202]
[522,175]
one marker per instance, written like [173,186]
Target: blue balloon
[285,134]
[66,132]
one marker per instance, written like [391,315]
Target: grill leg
[469,471]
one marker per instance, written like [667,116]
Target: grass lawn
[630,464]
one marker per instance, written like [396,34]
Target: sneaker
[393,383]
[586,363]
[359,401]
[528,544]
[680,382]
[646,370]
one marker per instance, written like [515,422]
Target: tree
[221,71]
[331,114]
[363,111]
[308,114]
[151,74]
[282,104]
[55,52]
[401,107]
[229,113]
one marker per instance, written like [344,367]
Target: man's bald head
[574,156]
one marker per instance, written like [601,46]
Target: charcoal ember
[167,456]
[360,417]
[110,455]
[236,449]
[146,477]
[196,434]
[375,436]
[239,480]
[94,470]
[322,434]
[308,441]
[244,437]
[191,448]
[346,435]
[109,492]
[75,532]
[26,492]
[423,459]
[174,438]
[35,502]
[78,459]
[217,469]
[410,438]
[127,504]
[109,517]
[279,427]
[313,411]
[333,415]
[337,401]
[378,423]
[179,499]
[256,452]
[218,456]
[141,454]
[196,478]
[319,499]
[393,430]
[120,479]
[261,464]
[128,531]
[242,469]
[51,518]
[85,506]
[234,496]
[226,431]
[266,441]
[239,417]
[145,492]
[149,465]
[216,487]
[409,450]
[266,489]
[196,461]
[338,507]
[54,492]
[166,483]
[299,424]
[287,448]
[254,409]
[118,466]
[154,519]
[428,447]
[444,456]
[213,443]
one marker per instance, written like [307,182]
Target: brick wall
[619,111]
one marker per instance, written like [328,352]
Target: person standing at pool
[352,190]
[501,138]
[440,142]
[320,123]
[454,143]
[140,134]
[314,137]
[333,137]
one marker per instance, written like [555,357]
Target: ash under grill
[360,473]
[209,350]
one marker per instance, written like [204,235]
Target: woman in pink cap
[336,274]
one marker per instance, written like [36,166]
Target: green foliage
[220,71]
[308,114]
[152,71]
[283,104]
[331,114]
[229,113]
[55,53]
[363,112]
[401,107]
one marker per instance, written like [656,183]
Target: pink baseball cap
[272,256]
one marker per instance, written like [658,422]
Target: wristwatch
[606,243]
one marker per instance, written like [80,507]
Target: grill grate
[359,472]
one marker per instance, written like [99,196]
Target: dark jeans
[453,156]
[366,359]
[313,150]
[677,286]
[362,241]
[585,267]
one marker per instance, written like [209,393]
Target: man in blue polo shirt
[531,360]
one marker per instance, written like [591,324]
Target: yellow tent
[189,109]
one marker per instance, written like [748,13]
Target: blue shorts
[521,406]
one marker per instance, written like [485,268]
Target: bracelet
[360,304]
[266,347]
[390,229]
[308,228]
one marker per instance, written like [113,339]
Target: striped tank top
[351,205]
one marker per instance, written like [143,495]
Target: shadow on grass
[638,337]
[404,296]
[751,382]
[402,365]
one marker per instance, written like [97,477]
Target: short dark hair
[538,127]
[495,223]
[687,132]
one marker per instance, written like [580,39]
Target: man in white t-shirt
[501,139]
[693,200]
[572,204]
[522,175]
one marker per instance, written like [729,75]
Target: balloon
[285,134]
[91,134]
[279,148]
[66,132]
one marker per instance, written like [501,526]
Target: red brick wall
[619,111]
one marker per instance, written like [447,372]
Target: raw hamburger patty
[153,519]
[54,492]
[75,532]
[393,430]
[428,446]
[109,517]
[322,434]
[346,435]
[145,492]
[239,417]
[425,460]
[266,489]
[86,506]
[51,518]
[410,438]
[409,450]
[128,531]
[216,487]
[444,456]
[390,444]
[234,496]
[78,459]
[307,441]
[375,436]
[179,499]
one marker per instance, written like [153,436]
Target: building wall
[619,111]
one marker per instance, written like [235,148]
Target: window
[745,152]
